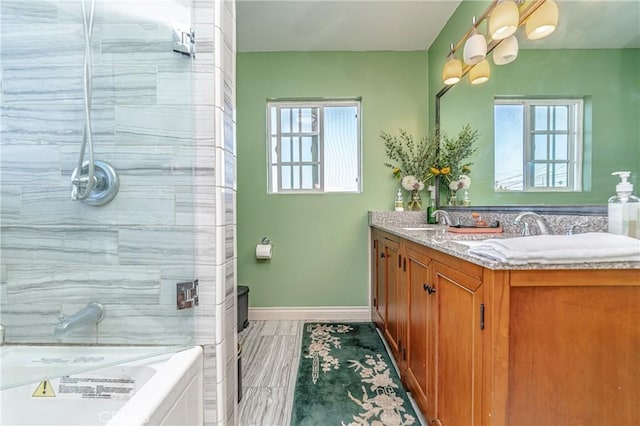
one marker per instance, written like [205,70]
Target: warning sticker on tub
[44,390]
[88,387]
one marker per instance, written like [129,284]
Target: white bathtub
[97,389]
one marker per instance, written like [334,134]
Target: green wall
[320,255]
[608,79]
[320,241]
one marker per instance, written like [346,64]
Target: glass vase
[415,202]
[466,201]
[453,199]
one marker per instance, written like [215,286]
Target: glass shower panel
[58,255]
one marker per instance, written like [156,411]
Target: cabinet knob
[382,255]
[428,288]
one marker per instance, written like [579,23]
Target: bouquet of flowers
[463,183]
[416,163]
[411,160]
[451,160]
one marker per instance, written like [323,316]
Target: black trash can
[243,307]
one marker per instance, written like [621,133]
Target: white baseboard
[338,313]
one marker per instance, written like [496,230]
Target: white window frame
[575,142]
[320,105]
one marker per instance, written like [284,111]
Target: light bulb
[504,20]
[506,51]
[480,73]
[475,49]
[452,71]
[543,21]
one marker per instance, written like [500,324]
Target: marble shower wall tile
[10,201]
[150,206]
[111,84]
[210,385]
[34,12]
[29,164]
[158,245]
[169,121]
[157,325]
[41,245]
[140,166]
[52,125]
[131,51]
[104,284]
[35,323]
[230,269]
[48,44]
[230,242]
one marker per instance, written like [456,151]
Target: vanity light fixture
[543,21]
[506,51]
[538,17]
[452,71]
[475,48]
[480,72]
[504,20]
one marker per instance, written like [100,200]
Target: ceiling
[358,25]
[355,25]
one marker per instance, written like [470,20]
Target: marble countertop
[411,226]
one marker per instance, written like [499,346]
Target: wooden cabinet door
[377,280]
[574,352]
[458,346]
[420,341]
[394,297]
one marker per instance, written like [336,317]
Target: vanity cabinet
[389,290]
[479,346]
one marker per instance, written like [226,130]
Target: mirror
[595,55]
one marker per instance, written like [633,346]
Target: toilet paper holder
[264,249]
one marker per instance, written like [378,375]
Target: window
[538,144]
[314,146]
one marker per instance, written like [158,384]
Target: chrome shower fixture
[93,181]
[104,185]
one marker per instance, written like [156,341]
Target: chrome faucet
[542,224]
[93,313]
[438,214]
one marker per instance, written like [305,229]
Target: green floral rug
[346,378]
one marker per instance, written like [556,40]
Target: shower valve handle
[79,187]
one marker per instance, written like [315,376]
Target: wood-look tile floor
[270,357]
[270,351]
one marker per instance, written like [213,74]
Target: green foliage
[454,151]
[423,159]
[409,157]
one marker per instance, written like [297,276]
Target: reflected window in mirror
[538,144]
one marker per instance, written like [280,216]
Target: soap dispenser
[399,203]
[624,208]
